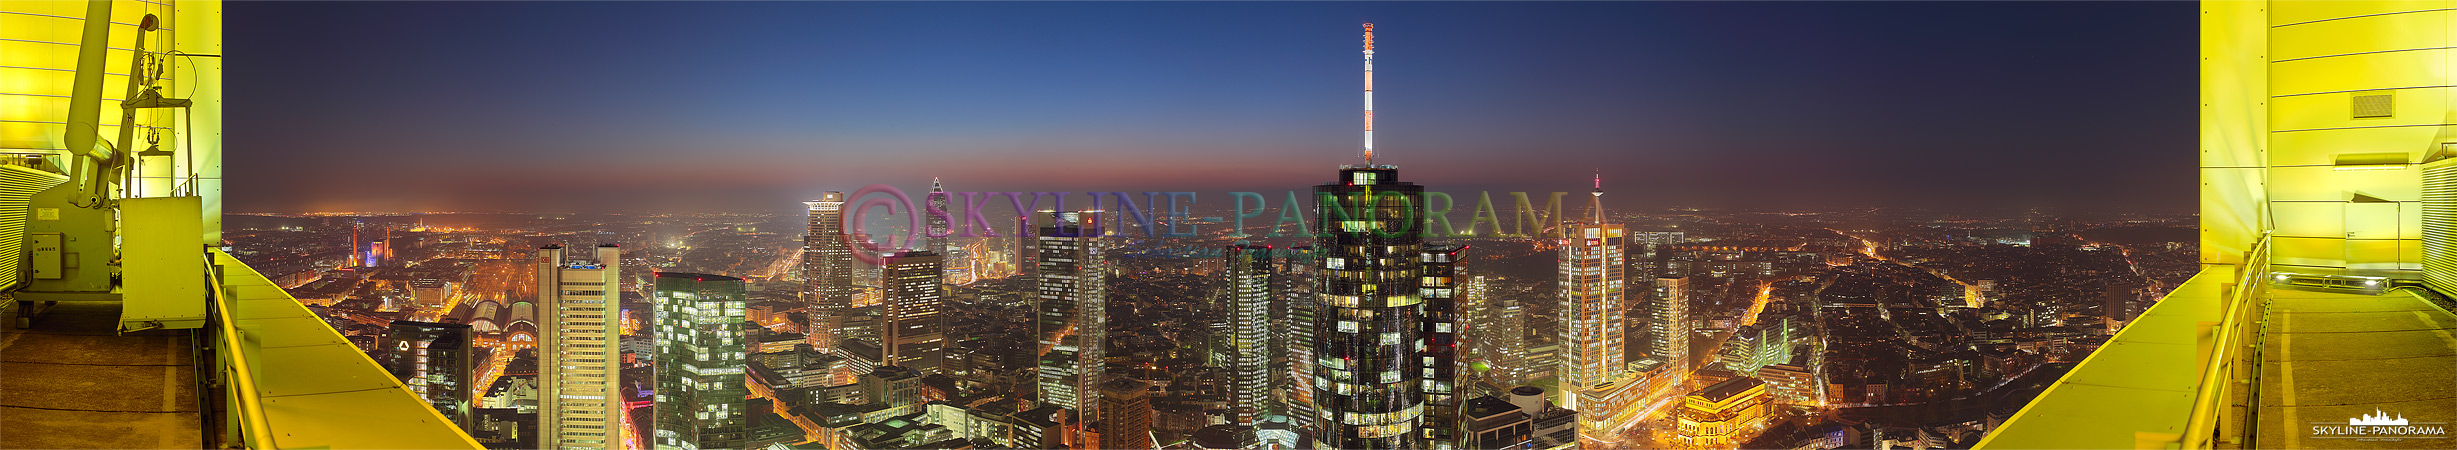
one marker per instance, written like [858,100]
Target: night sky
[637,107]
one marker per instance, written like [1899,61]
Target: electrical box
[165,266]
[44,249]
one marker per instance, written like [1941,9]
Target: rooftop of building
[1487,407]
[1728,388]
[696,276]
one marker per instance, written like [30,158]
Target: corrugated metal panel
[18,184]
[2440,225]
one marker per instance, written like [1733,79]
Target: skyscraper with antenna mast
[1369,94]
[1371,328]
[1594,327]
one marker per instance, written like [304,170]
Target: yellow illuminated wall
[38,60]
[2315,116]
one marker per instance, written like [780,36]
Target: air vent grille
[2375,104]
[2440,225]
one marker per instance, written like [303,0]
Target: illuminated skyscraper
[913,329]
[935,239]
[827,268]
[578,396]
[1668,322]
[434,360]
[1594,298]
[1440,349]
[1371,308]
[700,393]
[1295,325]
[1366,230]
[1073,285]
[1250,299]
[1270,321]
[1496,332]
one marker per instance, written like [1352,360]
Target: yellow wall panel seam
[2365,127]
[2361,53]
[2361,90]
[2361,16]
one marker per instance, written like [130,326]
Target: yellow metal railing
[2176,377]
[2237,331]
[242,412]
[283,374]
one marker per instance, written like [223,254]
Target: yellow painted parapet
[316,389]
[2136,391]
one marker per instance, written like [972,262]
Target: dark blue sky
[753,106]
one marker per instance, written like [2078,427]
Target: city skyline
[1712,105]
[1847,226]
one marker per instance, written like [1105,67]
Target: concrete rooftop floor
[71,381]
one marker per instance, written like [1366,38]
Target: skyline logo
[2380,426]
[2377,418]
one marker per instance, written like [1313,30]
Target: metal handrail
[2210,400]
[246,403]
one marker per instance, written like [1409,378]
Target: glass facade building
[1072,281]
[1367,371]
[700,359]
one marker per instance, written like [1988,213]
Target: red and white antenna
[1596,206]
[1369,94]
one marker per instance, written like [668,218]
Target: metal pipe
[122,171]
[85,98]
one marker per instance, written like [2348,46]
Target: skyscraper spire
[1369,94]
[935,235]
[1595,206]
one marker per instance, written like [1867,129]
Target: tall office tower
[1496,332]
[827,268]
[1250,296]
[1440,349]
[912,328]
[434,360]
[1668,327]
[1594,300]
[1368,236]
[1371,309]
[578,394]
[1072,274]
[1128,424]
[1292,342]
[700,393]
[935,235]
